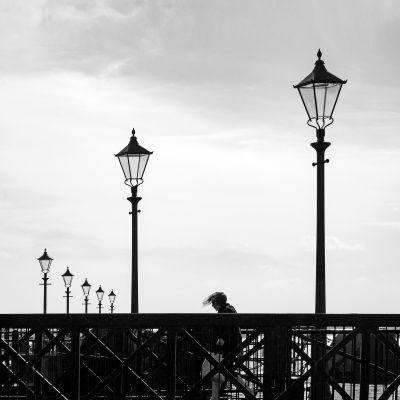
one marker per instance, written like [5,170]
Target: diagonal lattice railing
[160,356]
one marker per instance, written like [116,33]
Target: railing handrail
[149,320]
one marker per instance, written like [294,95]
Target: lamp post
[86,290]
[112,297]
[100,294]
[319,92]
[45,262]
[67,277]
[133,160]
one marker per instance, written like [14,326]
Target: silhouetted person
[223,341]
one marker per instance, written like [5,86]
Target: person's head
[217,300]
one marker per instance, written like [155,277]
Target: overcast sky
[229,195]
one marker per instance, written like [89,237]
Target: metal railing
[160,356]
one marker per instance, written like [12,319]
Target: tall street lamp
[67,277]
[100,294]
[112,297]
[86,290]
[133,159]
[45,262]
[319,92]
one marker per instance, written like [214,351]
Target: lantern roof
[45,257]
[320,75]
[67,273]
[100,290]
[133,147]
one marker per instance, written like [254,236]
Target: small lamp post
[67,277]
[112,297]
[45,263]
[133,159]
[319,92]
[100,294]
[86,290]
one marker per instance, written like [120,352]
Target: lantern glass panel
[112,297]
[320,99]
[142,164]
[133,166]
[67,279]
[86,288]
[307,94]
[45,265]
[100,294]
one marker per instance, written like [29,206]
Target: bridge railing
[161,356]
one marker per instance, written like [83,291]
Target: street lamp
[67,277]
[112,297]
[319,92]
[133,159]
[45,262]
[86,290]
[100,294]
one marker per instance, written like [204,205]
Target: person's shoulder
[230,309]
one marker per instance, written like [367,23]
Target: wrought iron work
[159,356]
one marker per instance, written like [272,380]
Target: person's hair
[217,297]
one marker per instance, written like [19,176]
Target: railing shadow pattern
[160,356]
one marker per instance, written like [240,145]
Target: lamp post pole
[68,292]
[133,159]
[134,200]
[320,290]
[45,279]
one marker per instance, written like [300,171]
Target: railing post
[281,358]
[38,366]
[119,382]
[268,354]
[171,363]
[76,365]
[365,357]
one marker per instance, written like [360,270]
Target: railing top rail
[192,320]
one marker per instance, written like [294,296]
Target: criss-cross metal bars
[160,356]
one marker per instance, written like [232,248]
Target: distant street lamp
[100,294]
[133,159]
[86,290]
[67,277]
[319,92]
[45,262]
[112,297]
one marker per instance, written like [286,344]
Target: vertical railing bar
[397,364]
[268,377]
[171,362]
[386,357]
[376,344]
[36,382]
[365,357]
[333,363]
[353,367]
[76,364]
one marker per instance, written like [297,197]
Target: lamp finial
[319,54]
[133,132]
